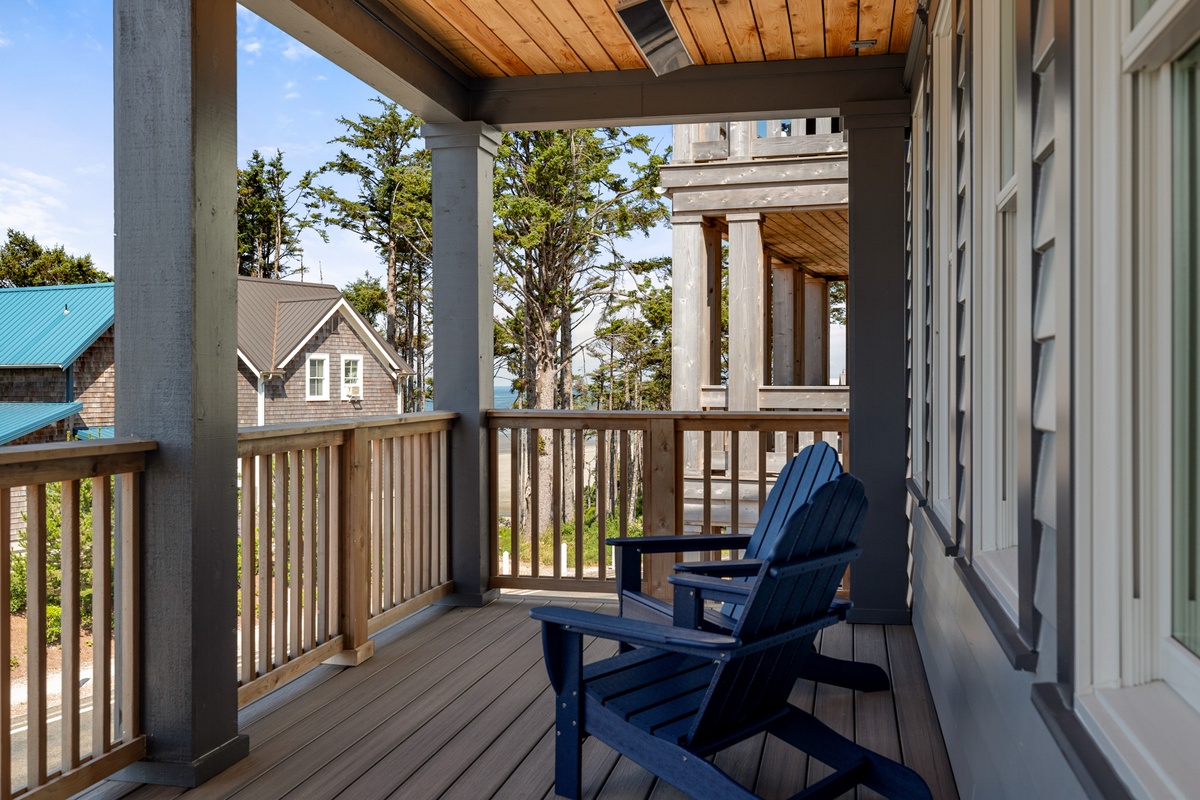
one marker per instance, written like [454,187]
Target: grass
[591,540]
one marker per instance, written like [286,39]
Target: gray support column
[783,325]
[176,362]
[462,335]
[747,295]
[815,297]
[716,347]
[875,362]
[689,312]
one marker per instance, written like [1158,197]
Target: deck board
[456,704]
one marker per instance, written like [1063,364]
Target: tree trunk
[392,337]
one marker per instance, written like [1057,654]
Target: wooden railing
[74,732]
[783,398]
[624,473]
[342,532]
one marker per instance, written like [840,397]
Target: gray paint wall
[998,744]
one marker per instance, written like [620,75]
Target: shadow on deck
[456,703]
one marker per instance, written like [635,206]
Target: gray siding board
[998,744]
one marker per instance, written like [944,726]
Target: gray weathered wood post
[875,355]
[176,351]
[462,333]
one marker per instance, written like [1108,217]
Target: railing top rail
[687,420]
[273,431]
[53,451]
[29,465]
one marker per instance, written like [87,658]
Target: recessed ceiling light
[862,44]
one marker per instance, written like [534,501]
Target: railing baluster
[443,531]
[733,470]
[129,489]
[423,480]
[556,498]
[246,543]
[764,438]
[707,462]
[296,568]
[5,644]
[333,538]
[494,495]
[310,549]
[266,564]
[377,543]
[282,557]
[602,501]
[387,533]
[579,498]
[625,469]
[102,606]
[514,501]
[535,517]
[323,493]
[69,642]
[35,581]
[397,488]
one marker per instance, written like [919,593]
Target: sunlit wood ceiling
[497,38]
[818,241]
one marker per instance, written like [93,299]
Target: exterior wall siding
[48,385]
[286,401]
[95,383]
[247,396]
[999,745]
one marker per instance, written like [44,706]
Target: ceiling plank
[388,55]
[602,20]
[531,35]
[737,17]
[774,29]
[841,27]
[481,35]
[436,28]
[577,34]
[902,25]
[815,87]
[685,32]
[481,68]
[808,27]
[710,35]
[875,22]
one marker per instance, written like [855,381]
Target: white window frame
[943,202]
[308,377]
[920,268]
[356,359]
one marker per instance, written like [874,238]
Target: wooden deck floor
[456,704]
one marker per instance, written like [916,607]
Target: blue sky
[56,139]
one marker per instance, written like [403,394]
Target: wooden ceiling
[818,241]
[497,38]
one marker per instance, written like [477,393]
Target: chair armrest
[737,568]
[682,544]
[636,632]
[712,588]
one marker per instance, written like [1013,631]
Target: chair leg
[850,674]
[564,657]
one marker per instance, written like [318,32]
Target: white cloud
[4,40]
[289,85]
[291,95]
[294,51]
[320,78]
[253,47]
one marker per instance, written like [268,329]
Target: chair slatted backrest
[758,684]
[807,471]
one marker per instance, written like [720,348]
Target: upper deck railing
[717,141]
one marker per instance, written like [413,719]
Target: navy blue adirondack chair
[685,694]
[803,474]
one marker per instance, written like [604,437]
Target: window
[318,377]
[1185,551]
[352,378]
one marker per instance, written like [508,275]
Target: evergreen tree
[270,217]
[24,262]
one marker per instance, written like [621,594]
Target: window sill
[1000,570]
[1020,653]
[1149,734]
[932,518]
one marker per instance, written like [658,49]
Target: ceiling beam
[759,90]
[371,43]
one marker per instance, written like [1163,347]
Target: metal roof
[52,325]
[276,318]
[19,419]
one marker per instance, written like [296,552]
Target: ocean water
[503,397]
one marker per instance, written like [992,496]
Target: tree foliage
[368,298]
[24,262]
[837,302]
[270,217]
[391,207]
[563,202]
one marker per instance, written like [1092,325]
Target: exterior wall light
[654,33]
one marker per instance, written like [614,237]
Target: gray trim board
[1020,655]
[1093,770]
[949,546]
[188,775]
[759,90]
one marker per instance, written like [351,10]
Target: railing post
[354,536]
[659,506]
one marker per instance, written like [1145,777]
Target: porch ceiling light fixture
[863,44]
[654,33]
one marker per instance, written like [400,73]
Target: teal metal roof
[52,325]
[19,419]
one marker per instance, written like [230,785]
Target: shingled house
[304,353]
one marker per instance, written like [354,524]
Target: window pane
[1185,558]
[1140,7]
[350,371]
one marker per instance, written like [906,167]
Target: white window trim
[346,385]
[919,378]
[944,251]
[308,361]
